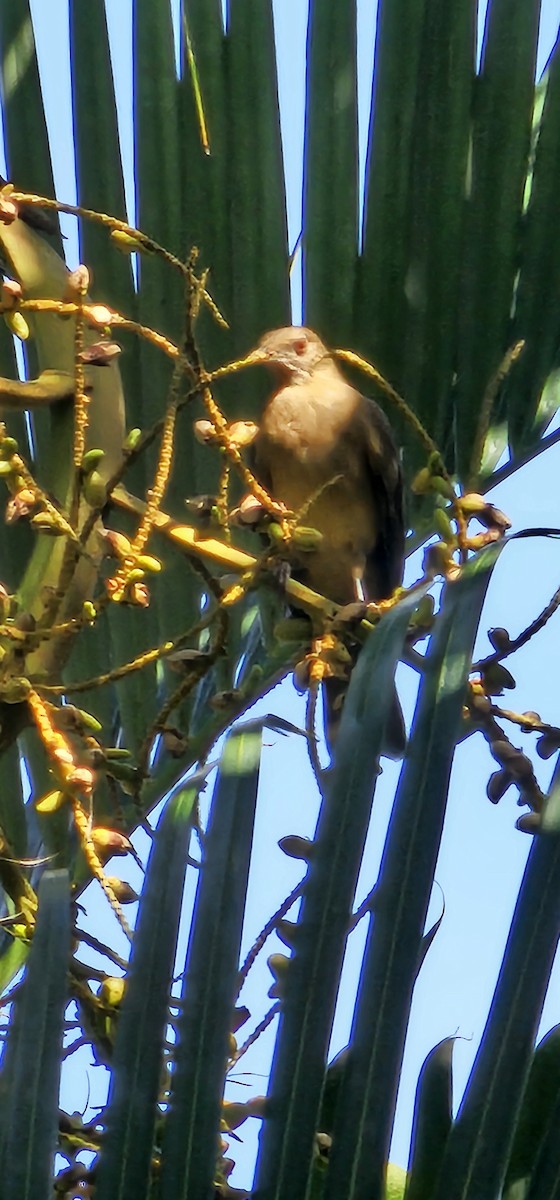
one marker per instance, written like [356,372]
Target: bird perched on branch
[319,437]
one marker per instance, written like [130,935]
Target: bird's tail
[334,692]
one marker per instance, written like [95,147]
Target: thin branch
[266,932]
[89,940]
[515,464]
[524,637]
[255,1035]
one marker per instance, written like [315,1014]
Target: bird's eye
[300,346]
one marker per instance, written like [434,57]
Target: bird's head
[294,352]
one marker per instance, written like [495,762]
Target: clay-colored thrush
[319,435]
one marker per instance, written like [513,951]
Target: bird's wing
[385,562]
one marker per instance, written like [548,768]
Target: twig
[492,389]
[255,1035]
[311,736]
[266,932]
[101,948]
[523,637]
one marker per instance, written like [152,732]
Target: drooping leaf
[125,1163]
[190,1147]
[479,1145]
[286,1146]
[432,1121]
[363,1126]
[29,1079]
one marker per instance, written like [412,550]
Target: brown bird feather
[318,434]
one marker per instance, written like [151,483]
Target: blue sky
[482,855]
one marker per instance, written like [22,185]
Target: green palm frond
[449,288]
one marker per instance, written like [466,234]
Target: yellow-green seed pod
[112,991]
[124,893]
[8,446]
[443,526]
[51,802]
[473,503]
[17,325]
[421,482]
[275,532]
[5,469]
[16,690]
[147,562]
[89,721]
[91,460]
[306,538]
[131,440]
[441,486]
[94,490]
[89,611]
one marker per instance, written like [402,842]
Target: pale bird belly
[346,519]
